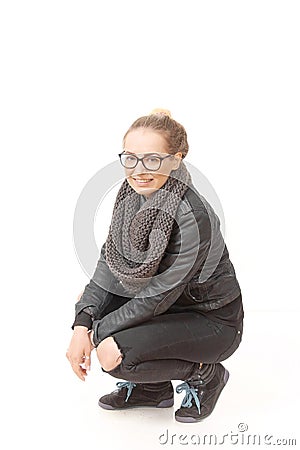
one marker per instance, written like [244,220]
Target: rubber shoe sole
[163,404]
[193,419]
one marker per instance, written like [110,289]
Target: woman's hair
[160,120]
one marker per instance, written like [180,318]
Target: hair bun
[161,111]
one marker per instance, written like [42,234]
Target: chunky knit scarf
[138,235]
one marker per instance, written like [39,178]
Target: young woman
[164,302]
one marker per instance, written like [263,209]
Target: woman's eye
[152,159]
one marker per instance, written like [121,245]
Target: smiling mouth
[142,180]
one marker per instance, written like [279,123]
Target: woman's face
[141,142]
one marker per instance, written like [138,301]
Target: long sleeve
[185,255]
[83,319]
[97,292]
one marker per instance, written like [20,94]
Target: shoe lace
[127,384]
[191,393]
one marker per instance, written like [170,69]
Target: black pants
[171,346]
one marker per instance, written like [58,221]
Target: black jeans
[171,346]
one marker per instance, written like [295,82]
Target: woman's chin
[143,190]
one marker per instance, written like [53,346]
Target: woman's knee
[109,354]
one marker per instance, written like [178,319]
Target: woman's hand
[79,351]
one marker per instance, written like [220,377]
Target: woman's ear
[178,158]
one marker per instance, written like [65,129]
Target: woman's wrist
[80,329]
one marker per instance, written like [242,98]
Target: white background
[74,76]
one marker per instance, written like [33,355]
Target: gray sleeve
[99,290]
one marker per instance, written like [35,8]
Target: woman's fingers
[76,365]
[79,352]
[87,360]
[79,372]
[78,369]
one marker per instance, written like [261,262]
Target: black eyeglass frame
[161,158]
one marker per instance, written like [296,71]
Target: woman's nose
[139,168]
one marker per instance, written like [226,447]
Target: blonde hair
[161,121]
[164,112]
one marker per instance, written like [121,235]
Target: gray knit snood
[138,235]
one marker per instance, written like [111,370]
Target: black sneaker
[200,398]
[131,395]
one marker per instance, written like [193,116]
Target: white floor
[261,396]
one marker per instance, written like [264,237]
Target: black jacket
[195,274]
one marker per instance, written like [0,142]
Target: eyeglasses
[150,161]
